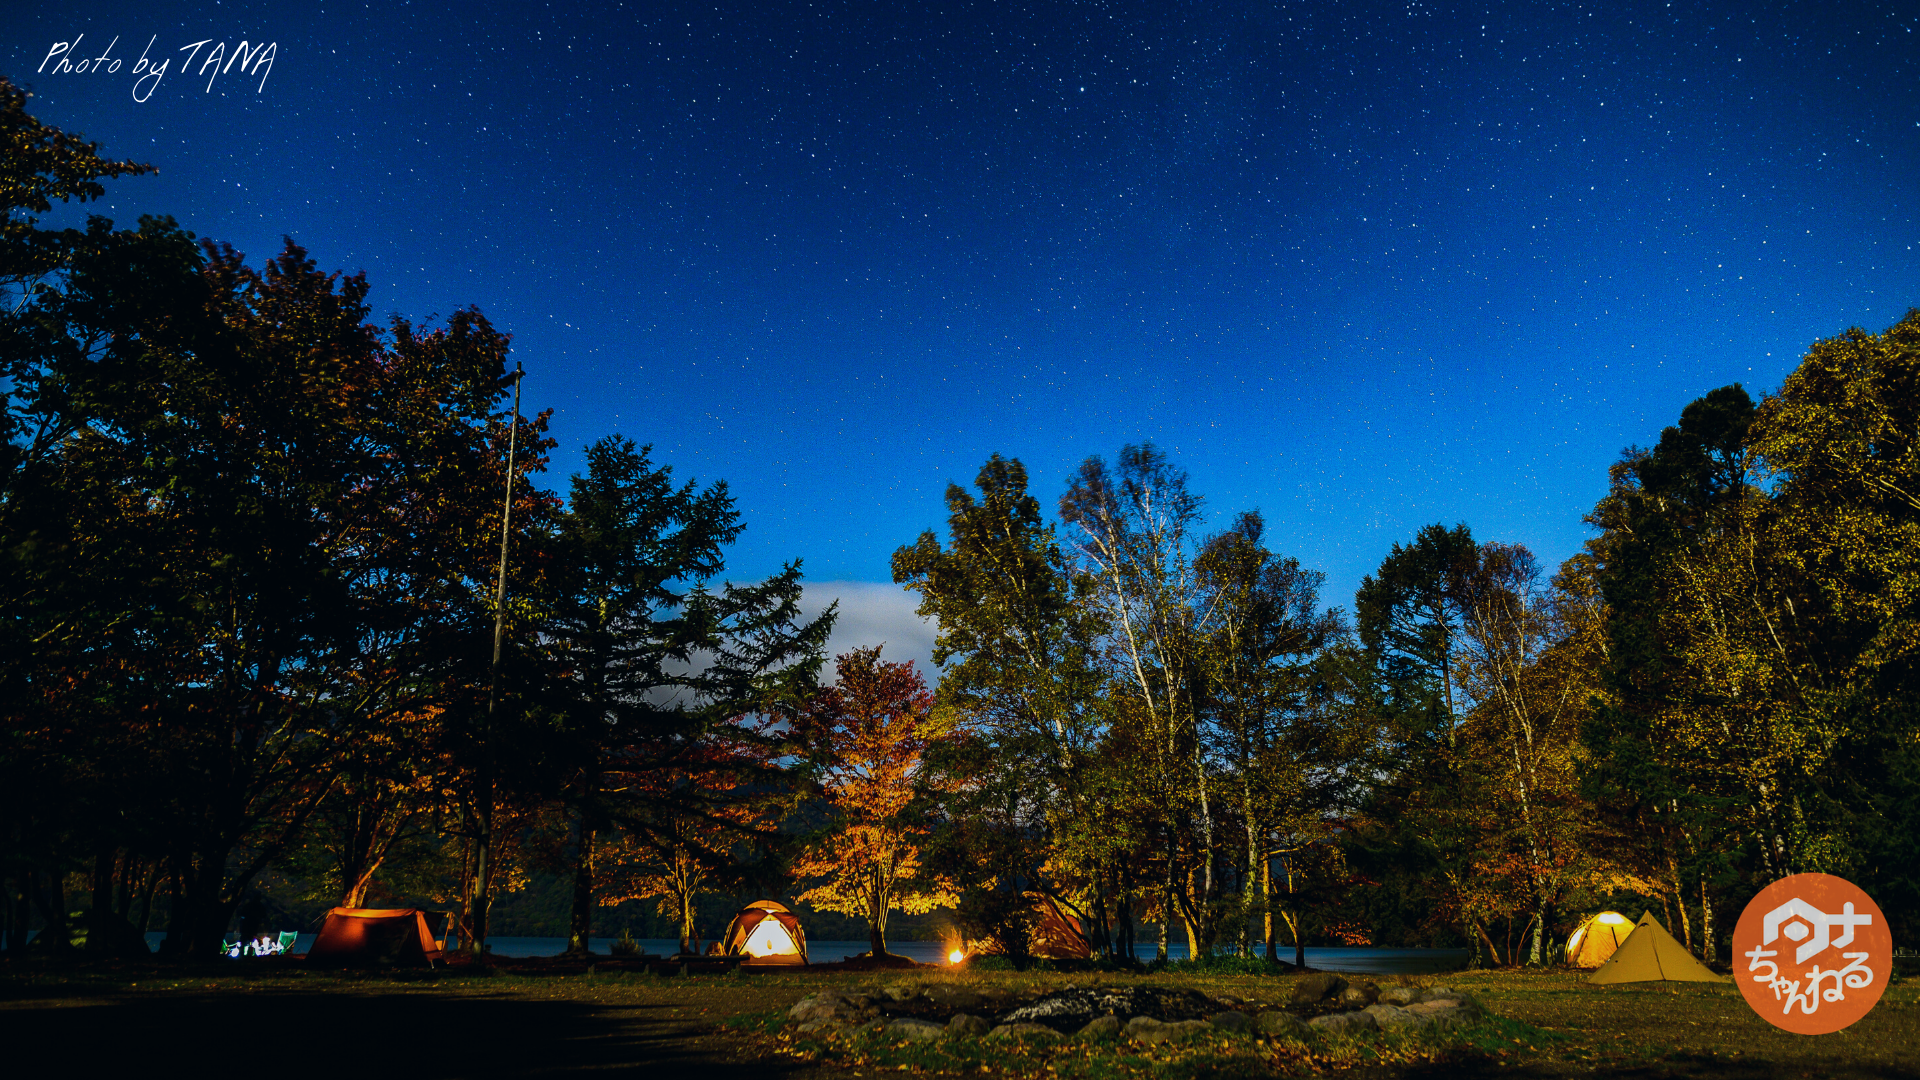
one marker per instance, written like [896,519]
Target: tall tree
[658,661]
[1134,531]
[867,735]
[1262,699]
[1410,615]
[1840,436]
[1019,679]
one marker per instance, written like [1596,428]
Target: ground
[284,1022]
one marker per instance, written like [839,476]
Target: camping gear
[765,932]
[1055,935]
[375,937]
[1651,954]
[1597,938]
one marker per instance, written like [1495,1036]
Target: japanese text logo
[1812,953]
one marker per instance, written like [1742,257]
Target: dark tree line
[250,543]
[258,619]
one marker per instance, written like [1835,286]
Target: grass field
[283,1022]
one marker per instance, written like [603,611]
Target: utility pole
[480,898]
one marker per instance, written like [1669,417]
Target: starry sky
[1361,266]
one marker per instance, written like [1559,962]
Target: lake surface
[1361,960]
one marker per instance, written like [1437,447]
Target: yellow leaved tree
[866,736]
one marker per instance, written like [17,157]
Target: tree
[1019,680]
[214,522]
[1698,735]
[1134,534]
[867,735]
[708,808]
[1840,437]
[659,663]
[1262,698]
[1410,618]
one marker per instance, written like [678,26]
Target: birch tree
[1134,532]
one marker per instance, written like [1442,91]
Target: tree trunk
[54,908]
[689,945]
[1491,950]
[479,896]
[175,943]
[1680,902]
[1166,910]
[1706,924]
[102,901]
[1539,928]
[1187,920]
[147,889]
[580,926]
[1266,908]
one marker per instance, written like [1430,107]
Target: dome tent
[1596,939]
[766,932]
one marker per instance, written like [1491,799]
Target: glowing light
[769,938]
[956,956]
[1610,918]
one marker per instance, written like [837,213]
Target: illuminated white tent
[766,932]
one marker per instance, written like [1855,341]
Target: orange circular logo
[1812,953]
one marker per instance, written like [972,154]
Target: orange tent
[1596,939]
[375,936]
[766,932]
[1055,935]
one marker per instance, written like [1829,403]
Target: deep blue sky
[1361,266]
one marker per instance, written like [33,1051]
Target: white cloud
[874,613]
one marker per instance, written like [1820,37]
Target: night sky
[1360,266]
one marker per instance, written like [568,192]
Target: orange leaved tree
[866,735]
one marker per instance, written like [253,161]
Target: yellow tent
[1597,938]
[1649,954]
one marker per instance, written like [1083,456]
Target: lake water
[1358,960]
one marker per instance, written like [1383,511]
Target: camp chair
[287,938]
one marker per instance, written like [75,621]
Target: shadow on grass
[337,1032]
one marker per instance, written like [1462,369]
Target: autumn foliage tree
[866,736]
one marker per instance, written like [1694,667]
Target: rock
[1432,992]
[965,1024]
[1444,1013]
[902,993]
[1282,1023]
[1071,1009]
[910,1028]
[1100,1027]
[1393,1017]
[821,1007]
[954,997]
[1344,1023]
[1024,1031]
[1359,995]
[1146,1029]
[1232,1020]
[1399,995]
[812,1026]
[1313,989]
